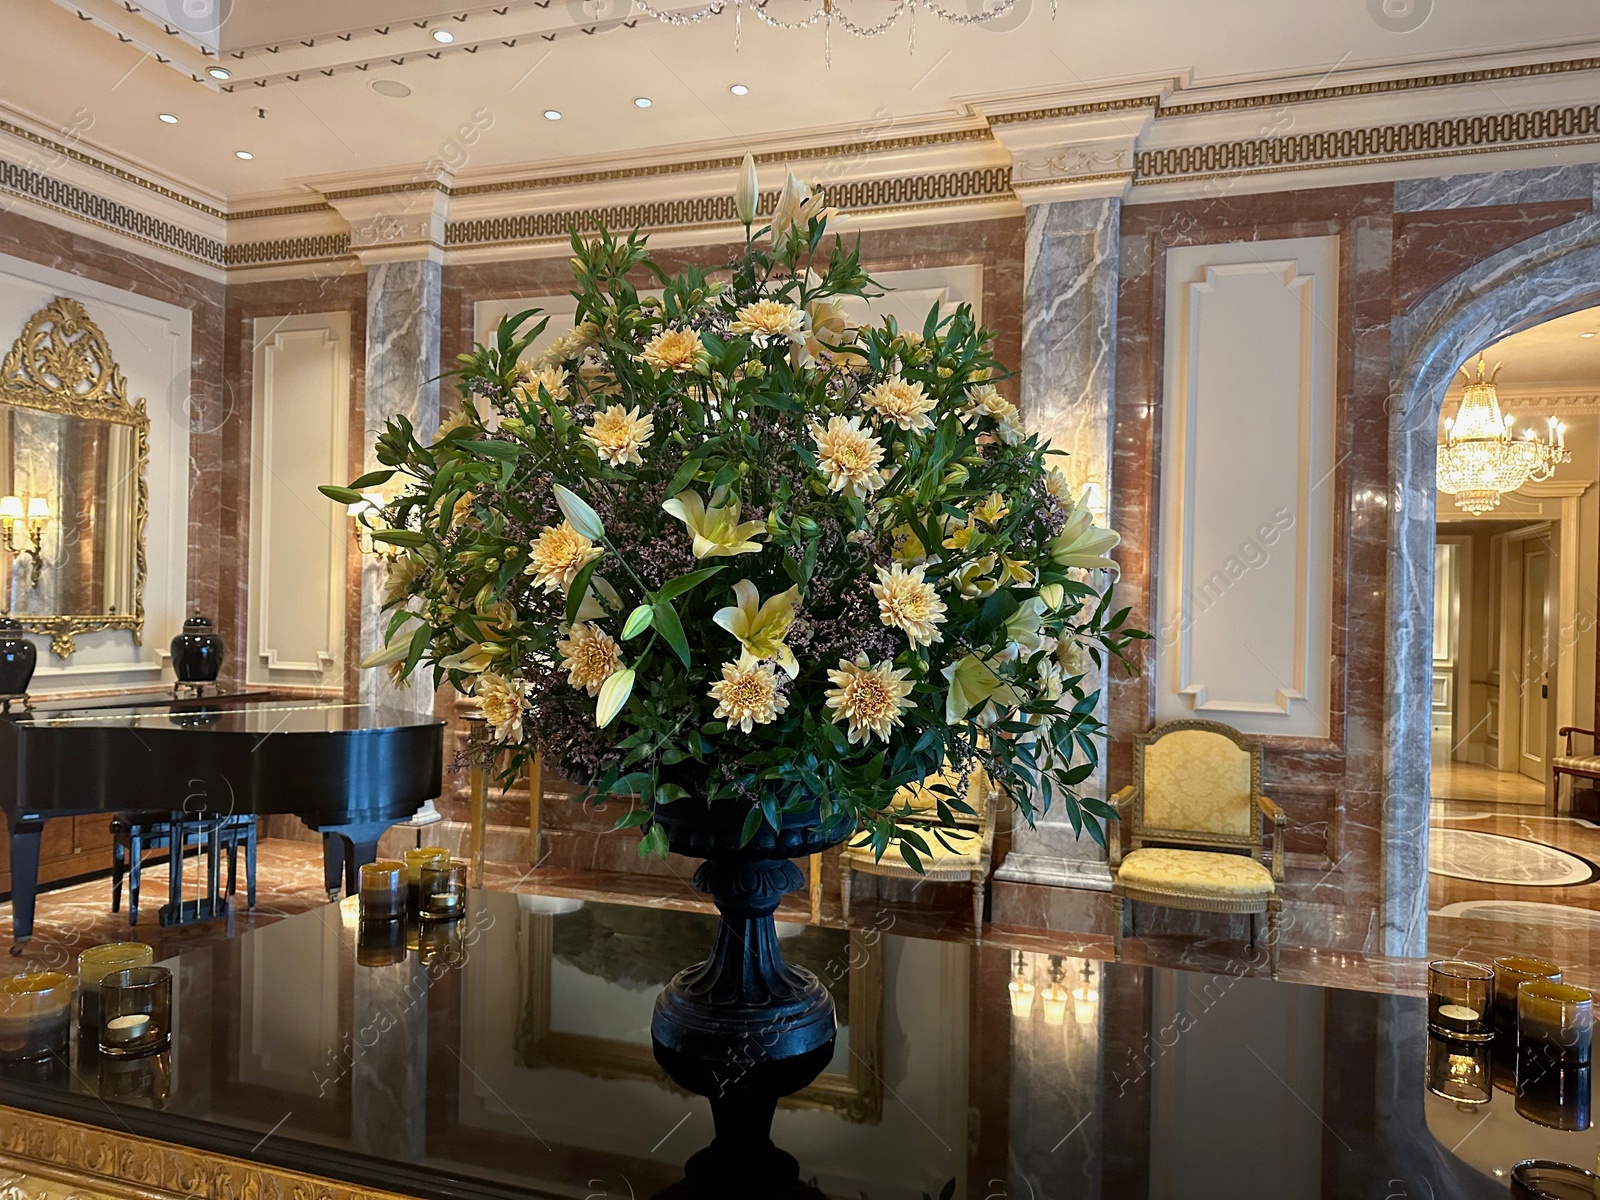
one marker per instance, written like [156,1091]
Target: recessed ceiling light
[392,88]
[167,118]
[218,72]
[551,114]
[642,102]
[739,89]
[1586,335]
[443,36]
[244,154]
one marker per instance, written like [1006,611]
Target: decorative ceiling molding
[1566,403]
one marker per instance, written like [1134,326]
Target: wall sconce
[1094,499]
[364,512]
[1055,996]
[1085,998]
[24,534]
[1022,990]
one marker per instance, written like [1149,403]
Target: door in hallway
[1538,660]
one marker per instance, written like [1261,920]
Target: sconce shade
[10,508]
[38,509]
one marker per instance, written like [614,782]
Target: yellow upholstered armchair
[966,858]
[1197,795]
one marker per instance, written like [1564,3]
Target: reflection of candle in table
[1555,1097]
[1458,1070]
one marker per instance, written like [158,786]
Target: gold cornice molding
[108,1163]
[1087,109]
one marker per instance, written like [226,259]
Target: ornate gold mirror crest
[67,427]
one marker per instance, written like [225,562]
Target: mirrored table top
[508,1054]
[224,716]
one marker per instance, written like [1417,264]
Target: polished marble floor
[1483,785]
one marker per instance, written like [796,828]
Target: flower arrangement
[720,546]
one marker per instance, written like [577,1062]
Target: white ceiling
[1551,357]
[73,74]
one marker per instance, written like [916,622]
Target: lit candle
[444,889]
[127,1028]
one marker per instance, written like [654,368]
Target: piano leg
[358,855]
[24,880]
[333,845]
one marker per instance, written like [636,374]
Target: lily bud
[745,191]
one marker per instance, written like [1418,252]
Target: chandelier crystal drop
[1480,460]
[828,13]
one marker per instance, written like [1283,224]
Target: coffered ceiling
[320,88]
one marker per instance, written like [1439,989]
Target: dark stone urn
[744,1027]
[18,657]
[197,651]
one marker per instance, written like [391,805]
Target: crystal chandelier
[1479,460]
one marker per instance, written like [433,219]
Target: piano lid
[287,716]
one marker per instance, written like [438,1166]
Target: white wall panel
[299,434]
[1247,465]
[150,341]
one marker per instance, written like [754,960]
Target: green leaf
[654,842]
[668,625]
[752,822]
[339,495]
[676,587]
[399,537]
[579,515]
[638,621]
[372,479]
[580,589]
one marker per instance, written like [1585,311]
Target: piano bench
[135,834]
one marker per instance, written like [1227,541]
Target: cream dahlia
[590,656]
[849,456]
[569,345]
[531,377]
[747,694]
[902,402]
[674,350]
[768,321]
[558,554]
[871,697]
[503,703]
[909,603]
[619,434]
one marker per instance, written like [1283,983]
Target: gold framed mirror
[73,497]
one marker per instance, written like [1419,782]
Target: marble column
[403,323]
[1069,316]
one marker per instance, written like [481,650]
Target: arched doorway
[1544,277]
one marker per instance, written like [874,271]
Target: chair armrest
[1270,811]
[1566,731]
[1122,801]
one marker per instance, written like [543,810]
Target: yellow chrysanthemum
[590,656]
[771,321]
[903,403]
[909,603]
[986,401]
[619,434]
[569,345]
[404,572]
[849,456]
[747,694]
[558,554]
[674,350]
[871,697]
[532,376]
[503,703]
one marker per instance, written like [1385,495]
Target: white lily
[746,191]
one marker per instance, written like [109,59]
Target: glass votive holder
[94,964]
[441,945]
[381,943]
[383,891]
[35,1015]
[146,1082]
[1458,1000]
[1546,1179]
[1555,1023]
[415,860]
[1459,1071]
[135,1011]
[1510,974]
[444,891]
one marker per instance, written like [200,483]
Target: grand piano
[347,770]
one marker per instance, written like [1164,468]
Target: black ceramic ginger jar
[18,657]
[197,651]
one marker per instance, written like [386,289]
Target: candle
[383,895]
[1510,974]
[94,964]
[35,1013]
[415,861]
[1458,1000]
[1545,1179]
[444,890]
[135,1011]
[1555,1022]
[1458,1070]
